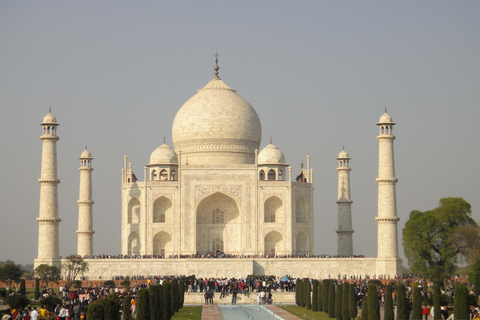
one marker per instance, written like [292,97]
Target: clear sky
[318,73]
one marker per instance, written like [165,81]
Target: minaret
[387,203]
[48,220]
[85,222]
[344,202]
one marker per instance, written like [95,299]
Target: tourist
[234,296]
[34,314]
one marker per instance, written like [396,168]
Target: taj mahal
[216,191]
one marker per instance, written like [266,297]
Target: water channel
[246,311]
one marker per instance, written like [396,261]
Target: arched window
[218,216]
[163,175]
[280,175]
[271,174]
[154,174]
[134,211]
[271,206]
[262,175]
[161,208]
[217,244]
[173,174]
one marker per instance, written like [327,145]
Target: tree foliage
[127,308]
[143,305]
[48,273]
[437,295]
[401,302]
[417,304]
[315,295]
[325,293]
[345,314]
[72,268]
[434,241]
[17,301]
[388,307]
[338,302]
[308,295]
[331,300]
[373,302]
[10,272]
[460,303]
[352,302]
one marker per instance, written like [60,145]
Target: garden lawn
[188,312]
[303,313]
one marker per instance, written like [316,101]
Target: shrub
[320,296]
[17,301]
[110,307]
[331,300]
[388,308]
[417,304]
[109,283]
[460,306]
[155,303]
[127,308]
[95,311]
[77,284]
[352,302]
[143,306]
[365,308]
[181,290]
[345,288]
[125,284]
[167,301]
[339,302]
[373,303]
[50,302]
[401,302]
[315,296]
[325,293]
[308,296]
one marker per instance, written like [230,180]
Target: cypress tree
[95,311]
[143,305]
[37,289]
[365,307]
[326,293]
[297,291]
[167,301]
[181,289]
[301,293]
[338,302]
[373,303]
[345,315]
[175,294]
[110,307]
[320,296]
[127,308]
[388,307]
[401,302]
[308,296]
[331,300]
[22,287]
[437,294]
[155,304]
[460,303]
[315,295]
[352,302]
[476,285]
[417,304]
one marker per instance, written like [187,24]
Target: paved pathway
[210,312]
[281,312]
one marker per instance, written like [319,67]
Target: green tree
[437,296]
[308,296]
[345,315]
[434,241]
[37,289]
[125,284]
[338,302]
[417,304]
[50,302]
[17,301]
[175,296]
[331,300]
[48,273]
[95,311]
[143,306]
[167,301]
[110,307]
[73,267]
[325,293]
[22,287]
[365,308]
[401,302]
[109,283]
[10,272]
[298,289]
[373,303]
[352,302]
[315,295]
[460,303]
[127,308]
[320,296]
[181,289]
[155,303]
[301,293]
[388,306]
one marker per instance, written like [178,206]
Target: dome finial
[270,139]
[216,68]
[85,147]
[343,147]
[164,139]
[385,109]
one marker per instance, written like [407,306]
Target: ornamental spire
[216,68]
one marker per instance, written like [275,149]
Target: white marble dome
[343,155]
[163,155]
[385,118]
[86,155]
[271,155]
[49,119]
[217,126]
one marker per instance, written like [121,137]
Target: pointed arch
[218,218]
[162,244]
[261,175]
[134,245]
[273,243]
[134,211]
[301,243]
[162,210]
[271,174]
[272,209]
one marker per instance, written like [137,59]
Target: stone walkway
[210,312]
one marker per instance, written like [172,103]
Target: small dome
[271,155]
[86,155]
[163,155]
[343,155]
[385,118]
[49,119]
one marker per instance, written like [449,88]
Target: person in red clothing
[425,312]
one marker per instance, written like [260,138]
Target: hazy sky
[318,73]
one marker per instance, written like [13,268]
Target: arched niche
[273,243]
[162,210]
[162,244]
[301,210]
[272,209]
[301,243]
[133,211]
[133,244]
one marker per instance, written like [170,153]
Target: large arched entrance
[162,244]
[273,243]
[218,225]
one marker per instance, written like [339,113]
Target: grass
[303,313]
[188,313]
